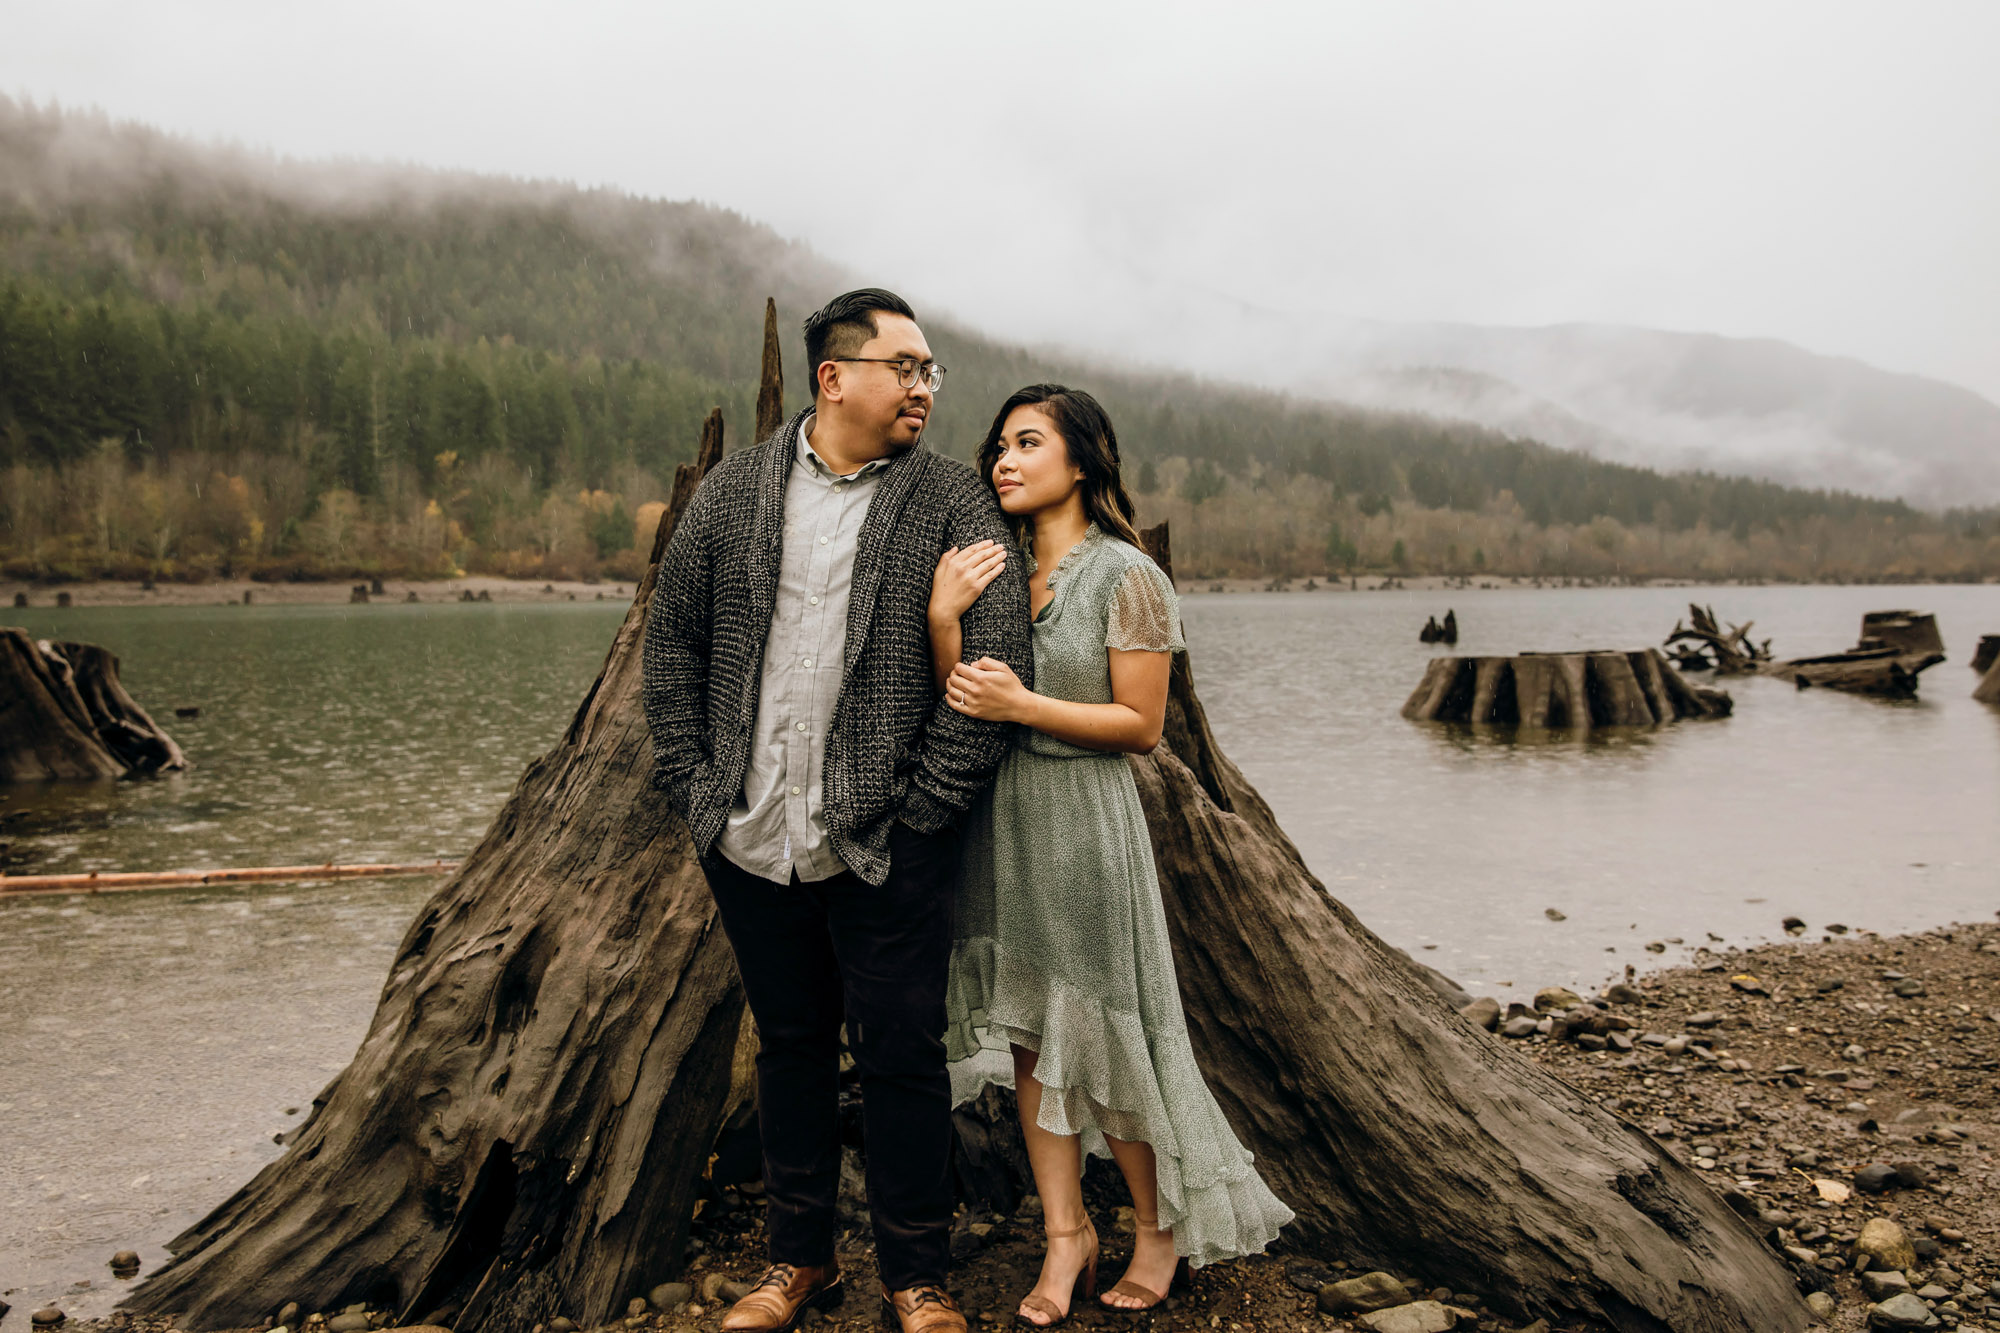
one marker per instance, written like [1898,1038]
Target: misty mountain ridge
[1751,407]
[304,368]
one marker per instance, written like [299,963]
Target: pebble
[1875,1178]
[670,1296]
[1483,1012]
[1359,1295]
[351,1322]
[1886,1245]
[1308,1274]
[288,1314]
[1904,1311]
[561,1325]
[1519,1027]
[1820,1304]
[1549,999]
[47,1317]
[1707,1018]
[1880,1285]
[635,1306]
[1416,1317]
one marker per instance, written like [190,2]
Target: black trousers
[811,955]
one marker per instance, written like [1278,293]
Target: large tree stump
[522,1130]
[1558,691]
[1987,691]
[1403,1135]
[1987,653]
[64,714]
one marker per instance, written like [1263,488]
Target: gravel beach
[1839,1090]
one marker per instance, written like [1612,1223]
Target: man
[789,692]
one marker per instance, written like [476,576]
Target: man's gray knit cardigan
[895,749]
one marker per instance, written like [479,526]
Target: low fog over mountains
[1749,407]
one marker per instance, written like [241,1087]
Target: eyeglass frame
[936,377]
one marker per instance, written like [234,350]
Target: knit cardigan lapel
[899,479]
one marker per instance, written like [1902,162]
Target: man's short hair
[844,325]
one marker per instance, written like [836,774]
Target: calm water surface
[152,1043]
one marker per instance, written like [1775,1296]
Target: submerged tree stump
[1987,691]
[1987,653]
[1561,691]
[1895,648]
[523,1129]
[64,714]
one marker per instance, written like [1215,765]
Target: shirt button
[797,790]
[808,661]
[802,726]
[822,541]
[813,601]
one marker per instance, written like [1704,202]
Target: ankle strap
[1150,1223]
[1065,1235]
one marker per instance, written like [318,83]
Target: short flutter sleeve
[1145,613]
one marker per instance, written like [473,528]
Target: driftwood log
[1558,691]
[1703,645]
[64,714]
[1895,648]
[523,1130]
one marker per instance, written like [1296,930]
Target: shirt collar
[808,458]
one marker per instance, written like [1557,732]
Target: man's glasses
[907,370]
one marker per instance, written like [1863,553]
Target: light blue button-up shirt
[778,824]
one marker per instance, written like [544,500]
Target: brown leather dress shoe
[778,1298]
[924,1309]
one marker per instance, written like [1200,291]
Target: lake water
[152,1043]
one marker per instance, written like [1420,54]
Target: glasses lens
[906,372]
[936,377]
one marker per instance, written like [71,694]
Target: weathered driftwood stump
[64,714]
[1987,691]
[1703,645]
[1558,691]
[1987,653]
[1895,648]
[523,1129]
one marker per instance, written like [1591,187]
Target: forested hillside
[213,361]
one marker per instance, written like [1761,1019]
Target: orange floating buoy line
[119,881]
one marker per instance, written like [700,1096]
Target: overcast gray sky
[1096,174]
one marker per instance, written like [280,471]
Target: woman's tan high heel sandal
[1127,1287]
[1086,1282]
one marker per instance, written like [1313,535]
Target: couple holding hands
[892,696]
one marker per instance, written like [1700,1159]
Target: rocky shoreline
[1840,1093]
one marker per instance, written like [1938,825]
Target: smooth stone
[1549,999]
[1359,1295]
[1881,1284]
[1885,1244]
[733,1292]
[1911,1175]
[1483,1012]
[561,1325]
[1707,1018]
[47,1317]
[1821,1304]
[636,1306]
[1618,992]
[711,1287]
[1875,1178]
[1519,1027]
[1416,1317]
[1904,1311]
[1931,1291]
[125,1259]
[670,1295]
[1802,1254]
[288,1313]
[348,1323]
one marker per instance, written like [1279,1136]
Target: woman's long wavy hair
[1086,432]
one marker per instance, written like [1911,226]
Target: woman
[1062,980]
